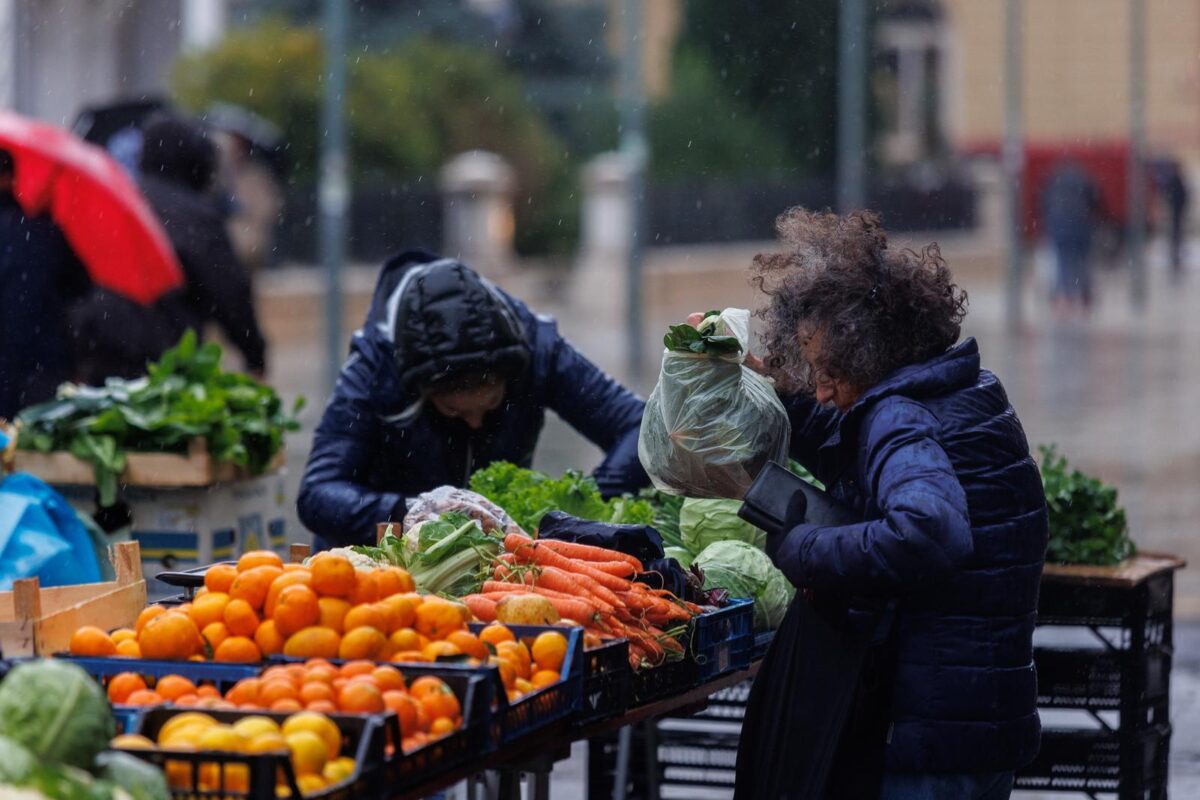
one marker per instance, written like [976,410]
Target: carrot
[587,552]
[482,608]
[495,587]
[619,568]
[573,608]
[575,585]
[599,583]
[578,610]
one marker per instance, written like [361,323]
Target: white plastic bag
[712,423]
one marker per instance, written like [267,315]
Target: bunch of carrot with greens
[594,587]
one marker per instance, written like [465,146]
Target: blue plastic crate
[220,673]
[127,717]
[722,640]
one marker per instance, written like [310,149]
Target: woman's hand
[752,361]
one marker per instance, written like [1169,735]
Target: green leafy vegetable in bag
[709,338]
[1087,525]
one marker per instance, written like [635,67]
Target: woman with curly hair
[897,417]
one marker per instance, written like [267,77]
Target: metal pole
[852,106]
[1013,161]
[1137,151]
[333,193]
[633,144]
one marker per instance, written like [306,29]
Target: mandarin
[274,689]
[144,697]
[129,649]
[436,619]
[312,642]
[366,587]
[543,678]
[294,578]
[365,616]
[148,613]
[297,608]
[495,633]
[259,558]
[406,708]
[268,638]
[333,575]
[219,577]
[123,684]
[468,643]
[174,686]
[332,612]
[92,641]
[549,650]
[253,585]
[214,633]
[313,691]
[123,634]
[360,697]
[401,612]
[244,691]
[362,642]
[208,608]
[171,635]
[405,639]
[388,678]
[238,649]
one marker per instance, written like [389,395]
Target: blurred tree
[409,111]
[778,58]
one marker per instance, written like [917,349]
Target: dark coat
[378,442]
[40,277]
[936,461]
[178,164]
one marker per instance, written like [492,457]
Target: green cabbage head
[745,571]
[702,522]
[56,711]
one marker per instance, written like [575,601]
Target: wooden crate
[36,621]
[157,470]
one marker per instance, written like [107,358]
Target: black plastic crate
[1132,766]
[1135,607]
[762,643]
[1095,679]
[364,736]
[607,681]
[655,683]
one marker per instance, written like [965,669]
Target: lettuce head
[703,521]
[57,712]
[743,570]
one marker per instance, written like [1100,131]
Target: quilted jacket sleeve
[336,501]
[923,530]
[812,425]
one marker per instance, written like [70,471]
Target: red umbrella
[100,210]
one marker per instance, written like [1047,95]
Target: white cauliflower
[359,560]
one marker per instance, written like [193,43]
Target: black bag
[817,718]
[640,541]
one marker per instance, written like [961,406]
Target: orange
[508,672]
[296,609]
[332,612]
[293,578]
[543,678]
[313,691]
[407,657]
[268,638]
[219,577]
[208,691]
[405,639]
[187,700]
[239,649]
[426,684]
[519,654]
[239,618]
[333,576]
[259,558]
[272,690]
[144,697]
[393,581]
[523,686]
[362,643]
[435,649]
[401,612]
[244,691]
[360,697]
[129,649]
[365,615]
[317,671]
[440,703]
[214,633]
[549,650]
[174,686]
[324,706]
[495,633]
[406,708]
[148,613]
[91,641]
[122,635]
[388,678]
[169,636]
[279,671]
[313,642]
[209,608]
[468,643]
[253,585]
[366,589]
[442,726]
[286,704]
[357,667]
[123,684]
[436,619]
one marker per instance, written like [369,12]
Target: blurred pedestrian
[178,166]
[40,277]
[257,199]
[1176,197]
[1070,206]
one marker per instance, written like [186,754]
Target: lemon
[269,742]
[184,719]
[250,727]
[310,784]
[132,741]
[309,752]
[186,737]
[337,771]
[222,737]
[319,724]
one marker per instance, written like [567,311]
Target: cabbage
[56,711]
[745,571]
[15,762]
[702,522]
[680,554]
[141,780]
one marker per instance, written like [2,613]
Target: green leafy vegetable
[445,555]
[528,495]
[185,395]
[56,711]
[745,571]
[141,780]
[704,521]
[16,763]
[666,509]
[1087,525]
[710,338]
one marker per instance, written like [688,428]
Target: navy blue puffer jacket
[379,443]
[936,461]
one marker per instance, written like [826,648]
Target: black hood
[445,320]
[179,151]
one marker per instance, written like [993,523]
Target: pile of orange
[262,607]
[525,666]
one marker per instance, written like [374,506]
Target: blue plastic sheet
[40,535]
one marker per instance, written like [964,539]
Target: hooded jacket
[379,442]
[936,462]
[178,164]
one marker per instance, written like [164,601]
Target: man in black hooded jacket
[449,374]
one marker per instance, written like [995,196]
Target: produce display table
[535,755]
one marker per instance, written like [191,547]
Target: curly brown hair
[876,310]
